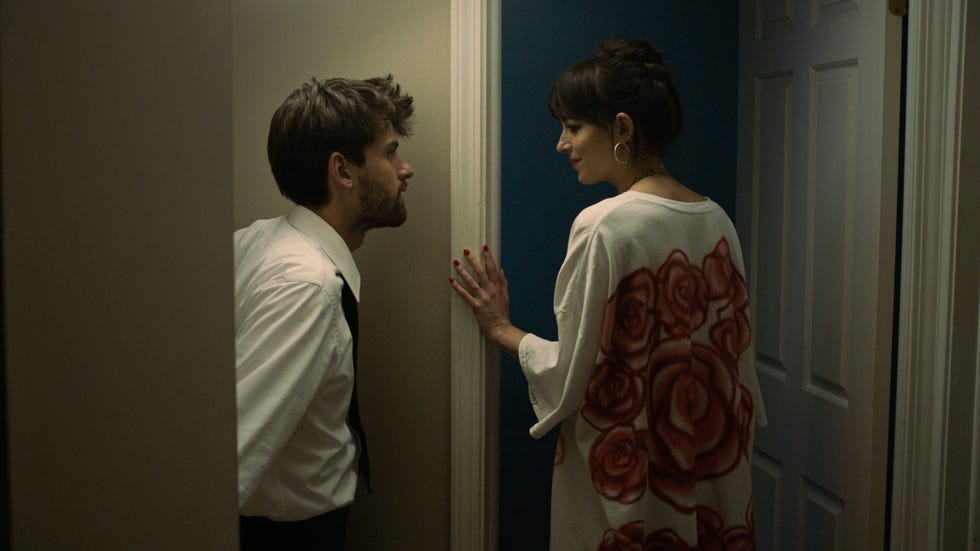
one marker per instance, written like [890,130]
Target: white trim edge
[474,213]
[934,111]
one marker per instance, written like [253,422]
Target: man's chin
[401,216]
[391,221]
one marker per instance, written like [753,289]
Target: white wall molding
[474,212]
[934,113]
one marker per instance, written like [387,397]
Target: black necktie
[349,304]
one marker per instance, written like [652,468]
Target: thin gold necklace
[647,172]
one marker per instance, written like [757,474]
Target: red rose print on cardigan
[712,409]
[736,538]
[618,461]
[694,431]
[626,538]
[731,333]
[681,304]
[709,524]
[666,540]
[722,277]
[744,417]
[615,395]
[629,323]
[714,536]
[698,414]
[560,450]
[672,445]
[741,538]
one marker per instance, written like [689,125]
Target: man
[333,149]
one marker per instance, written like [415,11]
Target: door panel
[816,204]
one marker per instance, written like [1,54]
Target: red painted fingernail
[451,280]
[486,248]
[466,252]
[455,263]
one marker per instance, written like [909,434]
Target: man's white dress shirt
[294,368]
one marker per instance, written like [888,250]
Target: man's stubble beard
[377,211]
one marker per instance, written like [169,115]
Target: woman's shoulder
[601,210]
[607,219]
[635,207]
[596,215]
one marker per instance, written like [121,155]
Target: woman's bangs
[573,96]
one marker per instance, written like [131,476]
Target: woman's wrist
[507,337]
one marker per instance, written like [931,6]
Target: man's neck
[342,222]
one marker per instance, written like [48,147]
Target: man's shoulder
[257,233]
[275,250]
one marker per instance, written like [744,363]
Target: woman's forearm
[508,338]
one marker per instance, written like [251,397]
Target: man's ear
[339,170]
[623,128]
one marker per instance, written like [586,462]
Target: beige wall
[404,364]
[117,212]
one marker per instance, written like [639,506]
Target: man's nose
[407,171]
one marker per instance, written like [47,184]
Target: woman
[652,377]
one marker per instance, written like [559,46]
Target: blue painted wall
[541,196]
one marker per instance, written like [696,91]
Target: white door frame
[928,290]
[931,288]
[475,221]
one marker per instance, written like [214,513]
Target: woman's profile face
[589,149]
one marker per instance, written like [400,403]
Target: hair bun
[636,52]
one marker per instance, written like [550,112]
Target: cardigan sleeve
[558,373]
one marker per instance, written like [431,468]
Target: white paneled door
[819,88]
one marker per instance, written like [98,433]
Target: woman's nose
[562,146]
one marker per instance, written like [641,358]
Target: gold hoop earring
[616,152]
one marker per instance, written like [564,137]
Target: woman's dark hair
[627,76]
[335,115]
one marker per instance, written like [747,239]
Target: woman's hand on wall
[485,291]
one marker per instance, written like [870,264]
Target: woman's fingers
[491,265]
[463,293]
[480,274]
[482,284]
[484,288]
[466,277]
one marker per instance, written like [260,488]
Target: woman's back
[657,426]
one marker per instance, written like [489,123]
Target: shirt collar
[308,222]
